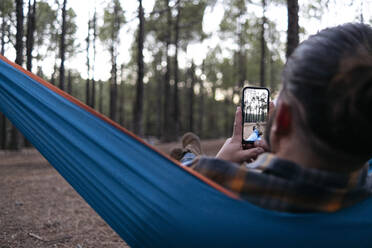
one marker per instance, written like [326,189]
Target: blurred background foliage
[160,92]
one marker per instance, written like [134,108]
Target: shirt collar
[268,163]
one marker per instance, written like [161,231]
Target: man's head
[326,101]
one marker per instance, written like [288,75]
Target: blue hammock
[149,200]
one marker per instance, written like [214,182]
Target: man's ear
[282,124]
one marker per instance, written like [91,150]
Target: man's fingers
[247,146]
[237,132]
[262,144]
[248,155]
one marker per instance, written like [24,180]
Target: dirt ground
[38,208]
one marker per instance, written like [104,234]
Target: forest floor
[38,208]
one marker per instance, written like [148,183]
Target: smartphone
[255,109]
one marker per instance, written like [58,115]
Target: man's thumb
[247,155]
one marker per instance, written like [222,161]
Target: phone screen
[255,109]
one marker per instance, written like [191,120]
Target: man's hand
[232,150]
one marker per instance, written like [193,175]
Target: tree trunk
[39,72]
[63,48]
[263,46]
[30,41]
[241,69]
[191,97]
[3,140]
[3,29]
[30,33]
[201,110]
[94,59]
[3,122]
[241,54]
[14,140]
[93,96]
[113,51]
[166,126]
[293,28]
[53,77]
[361,12]
[176,108]
[138,105]
[87,94]
[121,98]
[121,103]
[201,105]
[148,123]
[272,73]
[100,97]
[211,131]
[113,86]
[19,35]
[87,86]
[69,82]
[159,90]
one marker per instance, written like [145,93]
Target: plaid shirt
[282,185]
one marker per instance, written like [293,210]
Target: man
[313,165]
